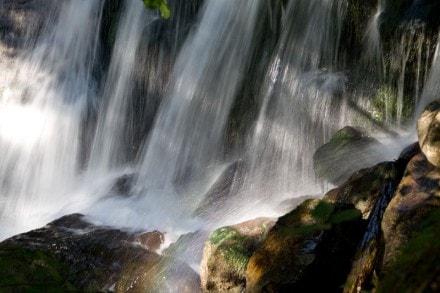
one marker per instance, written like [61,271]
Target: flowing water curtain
[110,148]
[188,133]
[41,114]
[303,101]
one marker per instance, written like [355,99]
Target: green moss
[233,246]
[417,268]
[28,270]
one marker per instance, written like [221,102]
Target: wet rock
[316,239]
[150,240]
[153,273]
[227,252]
[417,267]
[364,188]
[428,130]
[72,254]
[349,147]
[229,182]
[20,19]
[417,196]
[366,263]
[123,185]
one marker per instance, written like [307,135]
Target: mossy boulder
[70,254]
[344,154]
[364,188]
[417,267]
[315,239]
[227,252]
[417,196]
[32,270]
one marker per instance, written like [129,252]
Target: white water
[43,105]
[303,88]
[40,110]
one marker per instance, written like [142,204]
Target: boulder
[364,188]
[418,195]
[70,254]
[349,150]
[227,252]
[315,239]
[214,203]
[367,262]
[428,131]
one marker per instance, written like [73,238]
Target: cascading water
[40,117]
[58,96]
[109,148]
[303,76]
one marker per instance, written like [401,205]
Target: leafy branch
[161,5]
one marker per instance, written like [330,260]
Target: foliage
[161,5]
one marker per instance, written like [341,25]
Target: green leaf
[165,10]
[162,5]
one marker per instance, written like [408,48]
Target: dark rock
[227,252]
[417,267]
[417,196]
[311,241]
[150,240]
[229,182]
[364,188]
[367,262]
[123,185]
[348,150]
[72,254]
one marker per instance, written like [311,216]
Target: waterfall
[109,148]
[40,117]
[303,101]
[188,133]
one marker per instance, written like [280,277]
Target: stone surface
[313,240]
[349,147]
[227,252]
[72,254]
[364,187]
[417,196]
[428,131]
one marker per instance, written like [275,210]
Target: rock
[123,185]
[366,263]
[313,240]
[229,182]
[21,19]
[227,252]
[70,254]
[150,240]
[417,196]
[364,188]
[417,267]
[428,131]
[349,147]
[153,273]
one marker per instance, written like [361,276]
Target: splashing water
[41,111]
